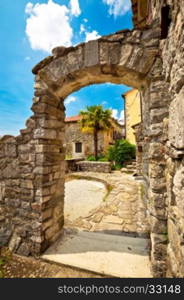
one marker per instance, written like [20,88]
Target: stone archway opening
[126,57]
[81,167]
[114,59]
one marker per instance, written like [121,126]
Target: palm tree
[94,119]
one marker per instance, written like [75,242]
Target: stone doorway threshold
[111,255]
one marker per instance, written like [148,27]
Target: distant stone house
[80,144]
[132,101]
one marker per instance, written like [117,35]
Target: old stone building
[149,58]
[80,144]
[132,113]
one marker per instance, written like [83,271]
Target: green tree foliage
[94,119]
[121,152]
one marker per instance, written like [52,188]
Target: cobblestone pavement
[121,212]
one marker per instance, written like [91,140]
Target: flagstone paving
[121,210]
[96,241]
[105,254]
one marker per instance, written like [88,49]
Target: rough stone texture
[176,113]
[32,164]
[74,135]
[123,210]
[173,62]
[94,166]
[139,148]
[31,171]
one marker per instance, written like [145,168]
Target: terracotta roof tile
[73,119]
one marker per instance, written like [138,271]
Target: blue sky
[30,29]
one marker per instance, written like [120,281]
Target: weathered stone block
[174,239]
[156,170]
[156,151]
[158,227]
[47,214]
[41,133]
[52,231]
[157,115]
[2,191]
[91,56]
[104,52]
[157,199]
[126,51]
[135,57]
[27,184]
[176,121]
[11,150]
[24,249]
[88,166]
[5,234]
[158,186]
[51,123]
[114,53]
[14,242]
[156,129]
[11,170]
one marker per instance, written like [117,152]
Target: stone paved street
[81,196]
[122,211]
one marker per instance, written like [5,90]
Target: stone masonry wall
[163,155]
[32,165]
[73,134]
[31,173]
[93,166]
[173,70]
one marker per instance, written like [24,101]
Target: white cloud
[82,28]
[122,117]
[85,20]
[118,7]
[118,116]
[70,99]
[29,8]
[115,113]
[75,8]
[93,35]
[89,35]
[48,25]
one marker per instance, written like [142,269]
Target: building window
[78,147]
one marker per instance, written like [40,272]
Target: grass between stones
[5,256]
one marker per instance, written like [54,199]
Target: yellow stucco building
[132,113]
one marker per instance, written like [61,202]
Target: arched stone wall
[32,196]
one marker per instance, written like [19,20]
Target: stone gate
[32,164]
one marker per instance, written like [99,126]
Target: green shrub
[101,157]
[91,158]
[121,152]
[116,167]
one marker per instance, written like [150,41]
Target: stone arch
[36,219]
[123,58]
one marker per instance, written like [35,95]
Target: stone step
[130,166]
[112,255]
